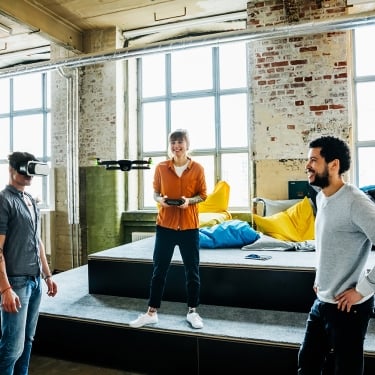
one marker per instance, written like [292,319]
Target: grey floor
[253,325]
[74,301]
[44,365]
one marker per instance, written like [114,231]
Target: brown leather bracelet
[9,287]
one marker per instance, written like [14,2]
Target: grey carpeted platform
[142,251]
[239,324]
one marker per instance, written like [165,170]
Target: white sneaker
[143,320]
[195,320]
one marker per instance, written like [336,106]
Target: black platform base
[223,286]
[227,278]
[157,352]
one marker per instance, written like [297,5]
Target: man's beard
[321,180]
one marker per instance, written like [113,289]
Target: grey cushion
[270,243]
[268,207]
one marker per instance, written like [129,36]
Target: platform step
[227,278]
[95,329]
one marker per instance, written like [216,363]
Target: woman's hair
[332,148]
[178,135]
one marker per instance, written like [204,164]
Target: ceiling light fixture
[5,29]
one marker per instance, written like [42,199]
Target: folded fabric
[230,233]
[265,242]
[308,245]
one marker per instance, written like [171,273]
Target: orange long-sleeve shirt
[190,184]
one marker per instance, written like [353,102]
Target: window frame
[358,79]
[45,111]
[217,151]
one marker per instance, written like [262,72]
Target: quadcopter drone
[124,165]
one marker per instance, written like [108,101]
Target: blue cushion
[230,233]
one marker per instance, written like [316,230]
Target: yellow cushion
[294,224]
[218,200]
[209,219]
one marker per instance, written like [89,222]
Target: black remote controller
[174,202]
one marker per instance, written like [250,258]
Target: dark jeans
[333,342]
[165,242]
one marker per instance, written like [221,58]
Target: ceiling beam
[50,27]
[346,22]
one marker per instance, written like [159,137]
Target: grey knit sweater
[344,233]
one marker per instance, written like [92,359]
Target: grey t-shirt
[21,248]
[344,234]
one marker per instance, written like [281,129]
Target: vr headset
[33,168]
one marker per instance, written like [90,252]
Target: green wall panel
[104,200]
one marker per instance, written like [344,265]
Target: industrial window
[25,126]
[364,93]
[204,90]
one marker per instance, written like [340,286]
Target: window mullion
[216,90]
[168,94]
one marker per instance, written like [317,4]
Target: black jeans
[333,342]
[165,242]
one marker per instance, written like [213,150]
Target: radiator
[136,236]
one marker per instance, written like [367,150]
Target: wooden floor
[45,365]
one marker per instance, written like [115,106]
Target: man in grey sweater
[344,233]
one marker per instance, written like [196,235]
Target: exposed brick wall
[276,12]
[61,258]
[100,118]
[98,113]
[299,83]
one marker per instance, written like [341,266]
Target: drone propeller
[124,165]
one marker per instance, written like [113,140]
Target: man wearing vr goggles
[23,264]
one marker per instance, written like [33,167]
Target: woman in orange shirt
[179,185]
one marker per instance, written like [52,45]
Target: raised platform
[90,327]
[95,328]
[227,278]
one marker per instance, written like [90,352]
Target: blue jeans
[165,242]
[18,329]
[333,342]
